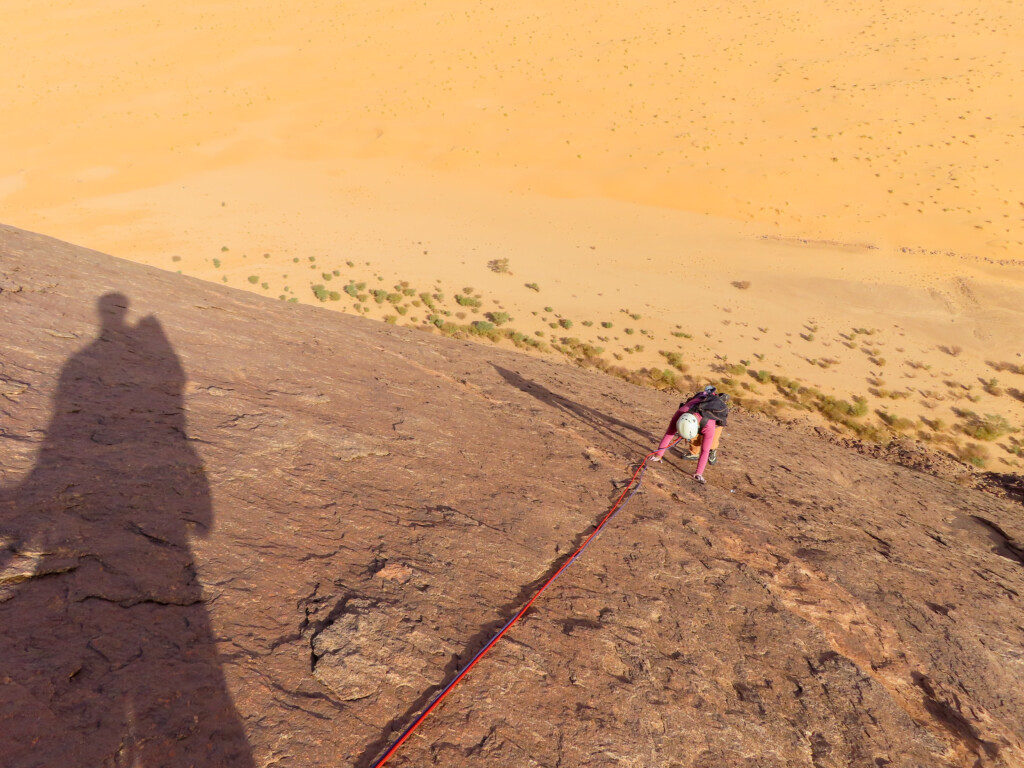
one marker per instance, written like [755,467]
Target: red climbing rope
[627,493]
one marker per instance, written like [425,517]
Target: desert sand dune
[858,167]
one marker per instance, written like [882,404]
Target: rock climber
[698,421]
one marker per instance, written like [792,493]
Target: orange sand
[620,159]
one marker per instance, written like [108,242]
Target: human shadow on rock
[593,418]
[107,654]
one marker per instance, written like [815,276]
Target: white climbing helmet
[687,426]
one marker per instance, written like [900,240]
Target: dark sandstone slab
[242,532]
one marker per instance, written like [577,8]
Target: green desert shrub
[1004,367]
[481,326]
[835,409]
[890,394]
[579,350]
[868,432]
[972,453]
[663,378]
[788,386]
[498,318]
[992,387]
[990,427]
[675,360]
[523,341]
[894,422]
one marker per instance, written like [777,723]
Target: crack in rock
[349,651]
[1005,545]
[470,649]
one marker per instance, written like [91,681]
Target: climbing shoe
[712,456]
[692,456]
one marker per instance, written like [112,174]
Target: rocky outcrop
[243,532]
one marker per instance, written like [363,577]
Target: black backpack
[711,407]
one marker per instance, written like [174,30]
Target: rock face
[242,532]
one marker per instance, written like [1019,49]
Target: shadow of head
[112,309]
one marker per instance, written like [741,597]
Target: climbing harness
[627,493]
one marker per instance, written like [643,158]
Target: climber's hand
[699,479]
